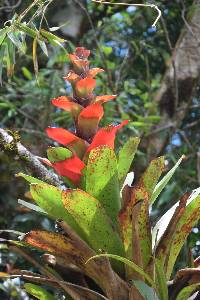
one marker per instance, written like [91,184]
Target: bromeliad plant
[105,229]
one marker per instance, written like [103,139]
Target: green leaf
[101,180]
[10,57]
[2,53]
[189,218]
[14,37]
[126,155]
[107,50]
[164,181]
[38,292]
[58,153]
[29,178]
[27,73]
[51,37]
[129,263]
[186,292]
[31,32]
[161,281]
[142,190]
[93,220]
[49,198]
[146,291]
[3,33]
[43,47]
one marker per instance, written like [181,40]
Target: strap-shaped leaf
[189,218]
[38,292]
[186,292]
[49,198]
[101,180]
[93,220]
[141,191]
[164,181]
[146,291]
[126,156]
[161,281]
[29,178]
[127,262]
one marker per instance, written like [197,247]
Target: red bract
[87,111]
[67,104]
[93,72]
[85,87]
[70,168]
[106,136]
[88,120]
[104,98]
[82,53]
[72,77]
[68,139]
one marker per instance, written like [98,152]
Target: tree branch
[9,142]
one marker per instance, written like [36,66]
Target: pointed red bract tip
[80,65]
[85,87]
[104,98]
[67,104]
[61,135]
[72,77]
[82,52]
[106,136]
[94,71]
[93,111]
[70,168]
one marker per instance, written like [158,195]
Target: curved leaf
[142,190]
[190,217]
[186,292]
[49,198]
[101,180]
[146,291]
[38,292]
[129,263]
[164,181]
[93,220]
[126,155]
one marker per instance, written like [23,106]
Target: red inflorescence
[87,111]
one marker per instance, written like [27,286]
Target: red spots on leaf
[104,98]
[106,136]
[85,87]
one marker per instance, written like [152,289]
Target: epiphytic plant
[106,234]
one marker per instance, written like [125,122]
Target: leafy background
[134,56]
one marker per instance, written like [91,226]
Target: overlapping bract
[87,111]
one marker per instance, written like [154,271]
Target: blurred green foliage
[134,56]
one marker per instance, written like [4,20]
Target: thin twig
[134,4]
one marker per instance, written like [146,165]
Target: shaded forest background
[154,71]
